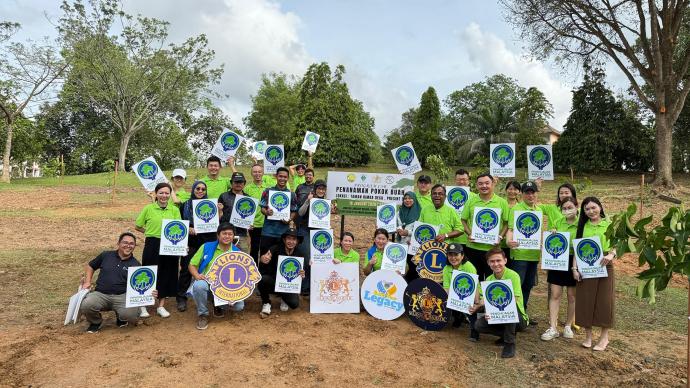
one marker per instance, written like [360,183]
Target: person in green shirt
[150,222]
[179,194]
[424,191]
[553,211]
[216,185]
[450,227]
[487,198]
[462,179]
[345,253]
[298,172]
[457,261]
[506,332]
[375,253]
[513,191]
[254,189]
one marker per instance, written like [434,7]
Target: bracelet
[574,268]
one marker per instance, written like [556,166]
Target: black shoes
[182,305]
[94,328]
[508,351]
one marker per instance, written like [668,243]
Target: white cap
[179,172]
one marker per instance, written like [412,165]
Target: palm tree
[491,124]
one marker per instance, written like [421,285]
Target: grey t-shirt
[112,279]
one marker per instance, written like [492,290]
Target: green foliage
[438,167]
[426,136]
[275,109]
[399,136]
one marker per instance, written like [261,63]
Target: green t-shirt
[298,180]
[445,217]
[462,239]
[599,229]
[517,253]
[182,195]
[495,202]
[448,272]
[509,274]
[152,216]
[424,200]
[351,257]
[503,242]
[562,225]
[198,256]
[253,190]
[216,187]
[379,258]
[552,213]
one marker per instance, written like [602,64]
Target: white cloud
[491,56]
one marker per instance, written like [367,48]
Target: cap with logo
[237,177]
[454,248]
[529,186]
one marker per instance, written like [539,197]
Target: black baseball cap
[237,177]
[529,186]
[454,248]
[424,178]
[320,182]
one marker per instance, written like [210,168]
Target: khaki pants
[95,302]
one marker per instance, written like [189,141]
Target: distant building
[551,134]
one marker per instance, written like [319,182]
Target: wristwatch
[446,235]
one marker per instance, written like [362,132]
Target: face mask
[569,212]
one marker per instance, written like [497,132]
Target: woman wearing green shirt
[375,253]
[513,190]
[595,297]
[149,222]
[457,261]
[345,253]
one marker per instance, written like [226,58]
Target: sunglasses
[200,189]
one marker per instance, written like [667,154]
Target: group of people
[267,239]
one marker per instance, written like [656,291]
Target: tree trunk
[6,169]
[124,143]
[663,152]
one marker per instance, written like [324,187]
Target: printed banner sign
[555,253]
[502,160]
[540,162]
[334,288]
[141,281]
[311,140]
[243,211]
[425,304]
[527,229]
[232,276]
[430,259]
[279,202]
[588,255]
[149,173]
[321,246]
[227,145]
[368,186]
[382,294]
[499,301]
[320,213]
[486,225]
[421,233]
[387,217]
[259,149]
[274,157]
[394,257]
[462,290]
[406,159]
[205,215]
[287,274]
[457,197]
[174,235]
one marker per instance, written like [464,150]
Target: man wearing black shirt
[227,199]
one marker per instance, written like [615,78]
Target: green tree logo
[322,241]
[555,244]
[395,253]
[229,141]
[274,154]
[320,209]
[528,224]
[588,251]
[245,207]
[142,280]
[147,170]
[424,233]
[457,198]
[175,232]
[499,295]
[312,138]
[206,210]
[487,219]
[540,157]
[289,269]
[464,285]
[502,155]
[404,155]
[280,201]
[386,214]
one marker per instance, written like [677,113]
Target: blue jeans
[528,273]
[201,292]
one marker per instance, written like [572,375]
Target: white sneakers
[162,312]
[550,334]
[143,313]
[283,306]
[266,309]
[568,332]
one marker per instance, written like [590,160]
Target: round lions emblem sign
[233,276]
[430,259]
[425,304]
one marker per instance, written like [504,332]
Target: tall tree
[641,38]
[135,77]
[275,109]
[426,134]
[398,136]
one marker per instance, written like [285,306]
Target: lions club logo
[464,285]
[540,157]
[320,208]
[175,232]
[335,289]
[588,251]
[430,259]
[230,141]
[147,170]
[555,244]
[404,155]
[142,280]
[528,224]
[502,155]
[289,269]
[205,210]
[274,155]
[425,304]
[245,207]
[486,219]
[233,276]
[322,241]
[457,197]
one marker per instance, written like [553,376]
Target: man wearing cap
[423,191]
[462,179]
[179,194]
[524,261]
[447,219]
[288,245]
[227,199]
[215,184]
[274,229]
[304,230]
[458,262]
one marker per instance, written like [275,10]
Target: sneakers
[533,322]
[283,306]
[266,310]
[162,312]
[94,328]
[549,334]
[143,313]
[121,323]
[218,312]
[508,351]
[568,332]
[182,305]
[202,322]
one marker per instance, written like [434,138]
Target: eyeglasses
[200,189]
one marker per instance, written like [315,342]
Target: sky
[392,50]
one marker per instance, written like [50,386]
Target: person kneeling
[111,286]
[288,246]
[496,260]
[199,266]
[457,261]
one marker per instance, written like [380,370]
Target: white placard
[540,162]
[141,281]
[334,288]
[227,144]
[462,290]
[457,197]
[279,202]
[310,142]
[406,159]
[502,158]
[387,217]
[499,301]
[74,306]
[486,225]
[527,229]
[205,215]
[217,302]
[174,236]
[274,157]
[588,256]
[243,211]
[320,213]
[321,241]
[555,253]
[258,149]
[287,274]
[370,186]
[149,173]
[421,233]
[394,257]
[382,294]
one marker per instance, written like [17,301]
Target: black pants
[478,259]
[506,251]
[471,317]
[266,288]
[185,278]
[411,273]
[506,330]
[255,244]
